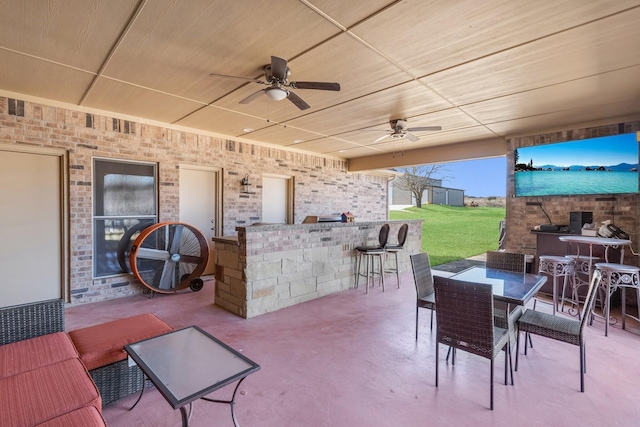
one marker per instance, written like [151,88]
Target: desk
[508,286]
[189,364]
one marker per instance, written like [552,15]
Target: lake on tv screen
[547,183]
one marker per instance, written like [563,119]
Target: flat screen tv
[606,165]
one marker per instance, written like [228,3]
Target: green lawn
[450,233]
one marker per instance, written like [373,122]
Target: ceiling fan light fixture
[277,93]
[276,76]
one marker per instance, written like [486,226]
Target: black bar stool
[370,253]
[395,249]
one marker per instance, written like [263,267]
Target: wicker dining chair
[562,328]
[465,321]
[508,261]
[424,285]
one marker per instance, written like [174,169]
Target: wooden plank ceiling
[480,70]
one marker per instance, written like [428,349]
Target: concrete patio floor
[351,360]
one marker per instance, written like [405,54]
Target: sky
[480,178]
[607,151]
[488,177]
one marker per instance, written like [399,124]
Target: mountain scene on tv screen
[606,165]
[621,167]
[550,180]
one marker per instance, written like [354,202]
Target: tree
[417,179]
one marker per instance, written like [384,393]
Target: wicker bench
[101,350]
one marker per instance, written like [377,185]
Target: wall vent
[129,127]
[124,126]
[16,107]
[89,121]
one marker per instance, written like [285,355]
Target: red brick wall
[322,185]
[522,218]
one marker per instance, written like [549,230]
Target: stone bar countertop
[268,267]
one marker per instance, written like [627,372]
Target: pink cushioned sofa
[43,382]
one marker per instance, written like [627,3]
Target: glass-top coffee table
[188,364]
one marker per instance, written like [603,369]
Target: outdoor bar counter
[268,267]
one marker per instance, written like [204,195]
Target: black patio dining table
[508,286]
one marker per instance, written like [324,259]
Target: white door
[31,258]
[198,194]
[274,199]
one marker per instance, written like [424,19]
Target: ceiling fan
[399,130]
[276,77]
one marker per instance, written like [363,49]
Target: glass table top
[189,363]
[508,286]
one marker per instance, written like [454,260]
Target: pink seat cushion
[45,393]
[87,416]
[101,345]
[22,356]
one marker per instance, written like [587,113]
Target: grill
[315,219]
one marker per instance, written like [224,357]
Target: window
[124,203]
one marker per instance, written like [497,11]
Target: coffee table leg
[231,402]
[186,416]
[144,383]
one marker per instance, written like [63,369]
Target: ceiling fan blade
[381,138]
[253,96]
[411,137]
[315,85]
[297,101]
[425,129]
[279,68]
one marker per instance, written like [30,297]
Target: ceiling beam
[115,47]
[482,149]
